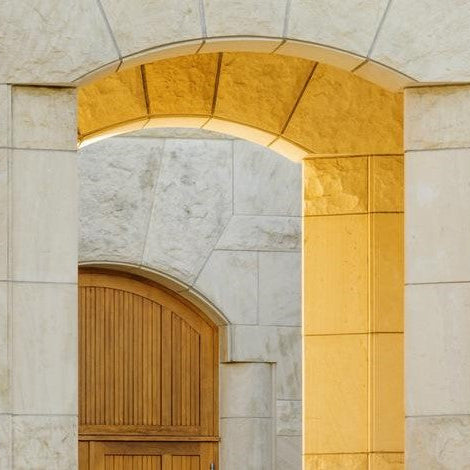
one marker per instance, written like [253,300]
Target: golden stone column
[353,312]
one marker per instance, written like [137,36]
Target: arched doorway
[147,377]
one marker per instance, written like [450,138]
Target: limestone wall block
[438,442]
[415,39]
[350,25]
[53,41]
[143,25]
[117,185]
[246,390]
[44,349]
[437,193]
[438,356]
[264,183]
[45,442]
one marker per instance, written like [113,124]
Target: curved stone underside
[294,106]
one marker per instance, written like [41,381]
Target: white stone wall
[222,217]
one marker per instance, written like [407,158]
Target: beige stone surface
[184,85]
[52,41]
[333,96]
[282,345]
[44,349]
[289,418]
[437,349]
[264,183]
[288,452]
[246,390]
[279,295]
[118,97]
[267,233]
[43,118]
[143,25]
[335,186]
[5,349]
[237,269]
[386,183]
[191,206]
[437,117]
[245,17]
[386,272]
[335,374]
[383,76]
[246,88]
[438,443]
[317,53]
[41,442]
[117,183]
[4,202]
[45,227]
[437,192]
[5,441]
[337,462]
[335,297]
[5,115]
[426,40]
[348,25]
[387,418]
[251,443]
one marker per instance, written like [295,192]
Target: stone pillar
[38,276]
[437,350]
[353,312]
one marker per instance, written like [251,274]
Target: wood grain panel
[147,360]
[154,456]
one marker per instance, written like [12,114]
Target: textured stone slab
[288,452]
[350,25]
[5,115]
[289,418]
[437,349]
[193,203]
[230,281]
[41,442]
[52,41]
[415,39]
[438,443]
[437,117]
[245,17]
[4,350]
[438,191]
[3,213]
[117,185]
[5,442]
[280,288]
[144,25]
[248,443]
[45,226]
[44,348]
[272,344]
[44,118]
[265,183]
[246,390]
[261,233]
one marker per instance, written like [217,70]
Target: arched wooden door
[147,378]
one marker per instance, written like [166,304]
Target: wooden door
[151,456]
[147,376]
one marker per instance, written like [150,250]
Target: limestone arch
[294,106]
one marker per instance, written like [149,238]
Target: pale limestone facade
[52,46]
[219,221]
